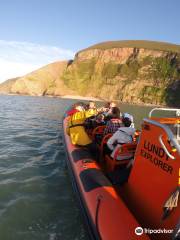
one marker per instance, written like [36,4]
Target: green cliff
[129,71]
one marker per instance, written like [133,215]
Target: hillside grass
[79,79]
[151,45]
[6,86]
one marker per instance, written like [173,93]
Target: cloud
[20,58]
[11,69]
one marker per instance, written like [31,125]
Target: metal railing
[177,112]
[173,141]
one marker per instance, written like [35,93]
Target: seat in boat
[97,131]
[102,145]
[124,153]
[122,156]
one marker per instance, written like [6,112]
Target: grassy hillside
[152,45]
[5,87]
[44,81]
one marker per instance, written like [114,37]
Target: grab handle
[165,149]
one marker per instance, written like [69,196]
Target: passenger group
[84,118]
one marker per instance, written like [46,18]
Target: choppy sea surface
[36,197]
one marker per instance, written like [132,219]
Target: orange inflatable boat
[136,198]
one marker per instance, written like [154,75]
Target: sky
[37,32]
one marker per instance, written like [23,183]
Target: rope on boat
[99,200]
[176,232]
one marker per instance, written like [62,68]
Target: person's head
[107,104]
[115,112]
[112,104]
[127,122]
[91,105]
[127,115]
[79,108]
[100,118]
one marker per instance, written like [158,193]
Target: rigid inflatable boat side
[106,214]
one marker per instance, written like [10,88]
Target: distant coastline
[78,97]
[81,98]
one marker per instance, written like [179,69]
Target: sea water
[36,197]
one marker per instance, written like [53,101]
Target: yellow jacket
[76,129]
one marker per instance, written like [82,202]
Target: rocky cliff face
[134,75]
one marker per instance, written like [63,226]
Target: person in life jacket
[92,111]
[91,108]
[121,136]
[71,111]
[74,108]
[76,129]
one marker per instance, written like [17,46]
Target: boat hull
[105,214]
